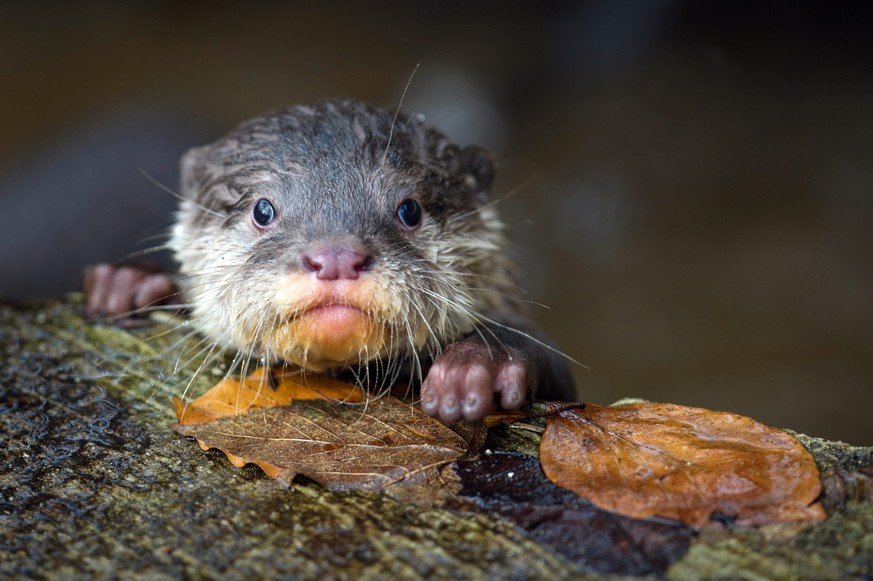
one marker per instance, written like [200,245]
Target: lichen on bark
[94,483]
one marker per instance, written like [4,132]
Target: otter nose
[336,262]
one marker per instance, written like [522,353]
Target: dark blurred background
[689,184]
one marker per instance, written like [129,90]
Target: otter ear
[479,164]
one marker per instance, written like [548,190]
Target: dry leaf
[262,389]
[691,464]
[366,446]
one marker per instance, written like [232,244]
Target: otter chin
[329,336]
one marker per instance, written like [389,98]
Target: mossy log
[94,483]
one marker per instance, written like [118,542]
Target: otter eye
[409,214]
[263,213]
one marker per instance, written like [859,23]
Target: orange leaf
[691,464]
[264,388]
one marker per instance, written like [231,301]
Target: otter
[339,236]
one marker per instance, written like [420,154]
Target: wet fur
[331,173]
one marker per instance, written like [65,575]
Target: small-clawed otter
[339,236]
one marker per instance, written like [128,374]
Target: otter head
[330,235]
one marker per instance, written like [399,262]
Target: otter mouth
[331,311]
[330,335]
[334,320]
[323,325]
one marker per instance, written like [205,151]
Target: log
[95,483]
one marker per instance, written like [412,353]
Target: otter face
[331,235]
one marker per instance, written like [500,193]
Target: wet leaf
[694,465]
[264,388]
[364,446]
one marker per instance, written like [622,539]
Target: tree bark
[95,483]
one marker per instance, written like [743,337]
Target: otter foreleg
[113,290]
[506,364]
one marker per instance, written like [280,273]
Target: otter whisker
[175,194]
[397,113]
[492,203]
[146,251]
[196,374]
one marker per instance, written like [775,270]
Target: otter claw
[466,379]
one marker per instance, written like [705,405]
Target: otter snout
[337,261]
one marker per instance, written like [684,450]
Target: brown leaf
[367,446]
[691,464]
[263,388]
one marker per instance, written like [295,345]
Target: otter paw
[119,289]
[467,378]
